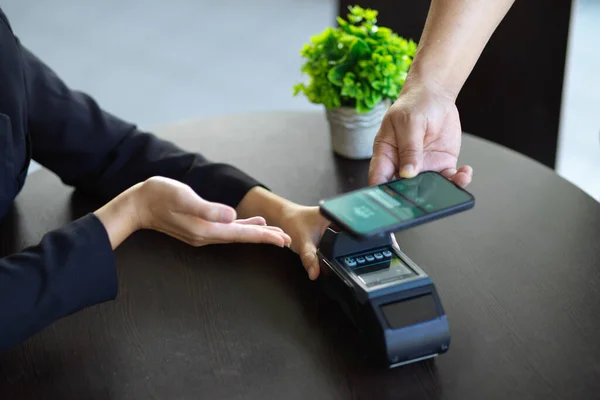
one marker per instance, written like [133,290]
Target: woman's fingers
[260,221]
[252,221]
[310,261]
[241,233]
[188,202]
[200,232]
[214,212]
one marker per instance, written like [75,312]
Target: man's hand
[420,132]
[173,208]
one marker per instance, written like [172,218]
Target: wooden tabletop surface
[519,277]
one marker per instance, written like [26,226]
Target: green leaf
[341,22]
[371,15]
[366,97]
[321,37]
[331,48]
[336,74]
[298,88]
[359,50]
[356,31]
[376,98]
[356,10]
[355,19]
[361,107]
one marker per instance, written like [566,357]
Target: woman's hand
[173,208]
[305,225]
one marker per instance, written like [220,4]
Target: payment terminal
[392,302]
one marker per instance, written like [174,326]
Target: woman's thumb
[309,258]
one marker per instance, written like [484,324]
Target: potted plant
[355,70]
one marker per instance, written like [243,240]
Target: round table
[519,277]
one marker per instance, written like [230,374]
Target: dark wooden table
[519,277]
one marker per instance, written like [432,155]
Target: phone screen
[397,204]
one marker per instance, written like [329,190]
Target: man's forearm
[455,33]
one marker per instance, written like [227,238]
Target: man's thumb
[410,160]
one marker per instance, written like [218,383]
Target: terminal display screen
[410,311]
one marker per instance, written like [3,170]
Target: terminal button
[360,260]
[369,257]
[378,256]
[350,262]
[387,254]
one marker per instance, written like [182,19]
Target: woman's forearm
[455,33]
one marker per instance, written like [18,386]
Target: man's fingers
[462,177]
[405,158]
[448,173]
[467,169]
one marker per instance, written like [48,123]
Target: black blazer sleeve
[100,154]
[74,267]
[70,269]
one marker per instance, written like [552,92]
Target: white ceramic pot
[352,134]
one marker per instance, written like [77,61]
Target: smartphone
[396,205]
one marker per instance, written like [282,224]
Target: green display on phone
[397,205]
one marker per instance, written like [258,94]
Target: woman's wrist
[120,217]
[261,202]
